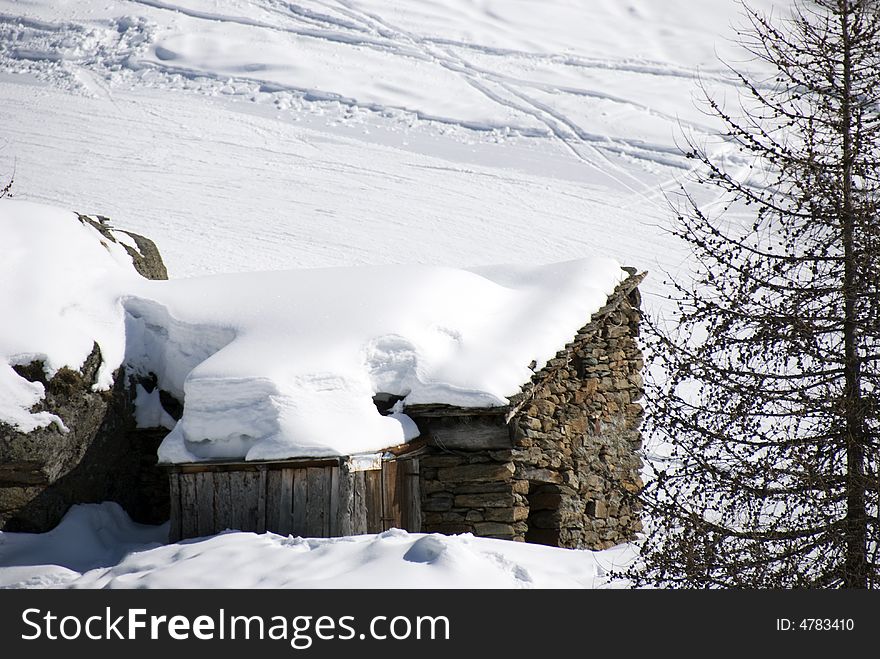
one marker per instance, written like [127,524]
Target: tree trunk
[856,565]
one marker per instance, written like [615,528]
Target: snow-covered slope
[97,546]
[249,135]
[261,134]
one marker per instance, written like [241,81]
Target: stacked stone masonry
[562,466]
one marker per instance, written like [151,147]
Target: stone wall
[561,466]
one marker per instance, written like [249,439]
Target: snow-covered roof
[274,365]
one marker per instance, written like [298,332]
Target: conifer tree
[767,373]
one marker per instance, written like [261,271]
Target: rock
[146,258]
[438,502]
[476,472]
[493,529]
[101,457]
[597,509]
[479,487]
[488,500]
[46,471]
[508,515]
[544,408]
[540,475]
[521,487]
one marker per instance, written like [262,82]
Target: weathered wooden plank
[285,502]
[255,465]
[261,500]
[273,499]
[440,411]
[326,501]
[342,509]
[238,494]
[204,483]
[223,505]
[244,494]
[358,503]
[391,489]
[188,506]
[373,497]
[250,492]
[468,433]
[318,503]
[333,517]
[233,514]
[411,496]
[174,495]
[300,502]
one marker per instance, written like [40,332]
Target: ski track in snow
[437,132]
[363,29]
[324,173]
[389,39]
[558,124]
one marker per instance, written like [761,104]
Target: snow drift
[97,546]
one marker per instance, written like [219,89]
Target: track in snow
[281,134]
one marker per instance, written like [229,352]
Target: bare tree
[766,398]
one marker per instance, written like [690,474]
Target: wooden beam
[391,509]
[300,502]
[227,465]
[273,500]
[224,506]
[411,495]
[342,508]
[286,503]
[188,506]
[433,410]
[175,513]
[249,481]
[359,524]
[468,433]
[326,500]
[373,500]
[204,484]
[318,505]
[402,449]
[261,499]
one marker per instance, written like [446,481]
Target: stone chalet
[559,465]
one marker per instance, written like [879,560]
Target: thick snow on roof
[284,364]
[280,364]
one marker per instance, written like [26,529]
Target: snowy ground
[262,134]
[249,135]
[98,546]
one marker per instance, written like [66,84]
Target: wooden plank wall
[313,501]
[174,533]
[359,503]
